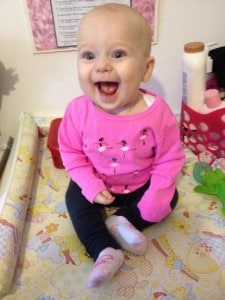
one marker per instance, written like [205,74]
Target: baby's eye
[118,54]
[88,55]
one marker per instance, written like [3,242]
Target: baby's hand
[104,198]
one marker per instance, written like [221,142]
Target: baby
[119,143]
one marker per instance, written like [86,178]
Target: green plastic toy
[212,182]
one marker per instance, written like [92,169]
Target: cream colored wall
[46,82]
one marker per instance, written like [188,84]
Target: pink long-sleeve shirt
[122,152]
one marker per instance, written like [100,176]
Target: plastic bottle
[211,80]
[194,74]
[212,101]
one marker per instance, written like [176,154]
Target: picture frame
[53,23]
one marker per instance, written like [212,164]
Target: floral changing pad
[41,257]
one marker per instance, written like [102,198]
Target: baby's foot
[108,263]
[128,237]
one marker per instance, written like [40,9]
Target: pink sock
[108,263]
[128,237]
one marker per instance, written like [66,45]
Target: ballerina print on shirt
[102,145]
[125,147]
[144,135]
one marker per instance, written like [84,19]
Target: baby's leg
[127,236]
[88,222]
[108,263]
[126,224]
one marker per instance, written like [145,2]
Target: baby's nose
[103,65]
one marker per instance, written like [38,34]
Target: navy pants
[88,220]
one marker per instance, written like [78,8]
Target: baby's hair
[142,26]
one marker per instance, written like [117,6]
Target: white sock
[128,237]
[108,263]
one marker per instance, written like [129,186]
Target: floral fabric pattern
[42,258]
[42,23]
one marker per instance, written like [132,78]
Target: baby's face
[111,60]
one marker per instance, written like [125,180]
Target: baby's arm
[155,203]
[76,163]
[104,197]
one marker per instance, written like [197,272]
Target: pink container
[201,132]
[52,143]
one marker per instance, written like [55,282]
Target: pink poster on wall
[53,23]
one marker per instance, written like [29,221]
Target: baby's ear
[149,68]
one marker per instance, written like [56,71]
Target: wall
[42,84]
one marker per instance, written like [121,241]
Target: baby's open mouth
[107,88]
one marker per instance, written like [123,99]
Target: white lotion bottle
[212,102]
[194,74]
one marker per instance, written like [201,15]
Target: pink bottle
[212,101]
